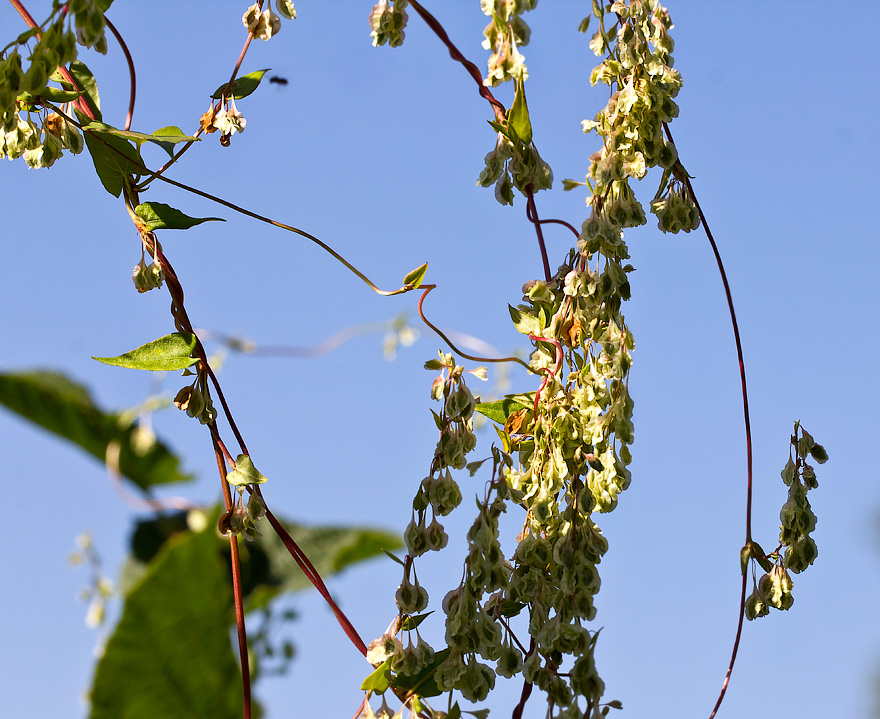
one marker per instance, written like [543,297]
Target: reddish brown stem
[131,73]
[455,54]
[526,690]
[455,349]
[532,214]
[683,176]
[236,583]
[312,575]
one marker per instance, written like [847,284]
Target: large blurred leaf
[171,655]
[267,568]
[330,549]
[64,407]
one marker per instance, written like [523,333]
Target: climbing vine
[562,454]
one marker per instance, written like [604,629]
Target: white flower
[229,120]
[384,647]
[262,25]
[285,7]
[252,17]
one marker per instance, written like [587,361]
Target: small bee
[278,80]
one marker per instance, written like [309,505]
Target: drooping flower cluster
[439,492]
[30,126]
[195,399]
[41,140]
[265,24]
[388,22]
[514,164]
[566,444]
[504,34]
[637,65]
[774,587]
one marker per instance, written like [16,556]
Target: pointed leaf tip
[159,216]
[414,279]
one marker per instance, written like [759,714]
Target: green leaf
[518,115]
[170,655]
[423,682]
[243,86]
[414,278]
[524,323]
[394,557]
[165,137]
[454,712]
[158,216]
[510,608]
[817,452]
[244,473]
[434,364]
[58,96]
[114,157]
[500,410]
[64,408]
[86,82]
[380,679]
[474,467]
[168,137]
[166,354]
[413,621]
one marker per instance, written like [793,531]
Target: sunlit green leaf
[159,216]
[168,137]
[524,323]
[379,680]
[58,96]
[65,408]
[518,115]
[415,277]
[166,354]
[501,409]
[86,82]
[244,473]
[243,86]
[413,621]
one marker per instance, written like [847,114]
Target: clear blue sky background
[376,151]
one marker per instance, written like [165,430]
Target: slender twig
[236,583]
[289,228]
[557,222]
[315,578]
[526,690]
[455,54]
[532,214]
[131,72]
[683,176]
[473,358]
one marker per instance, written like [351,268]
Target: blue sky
[376,151]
